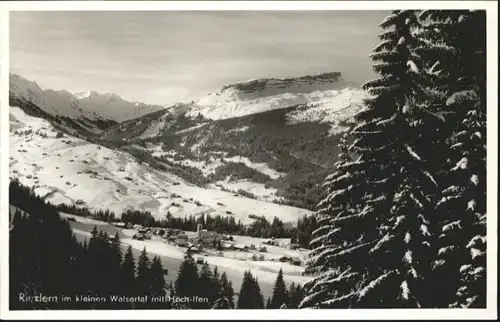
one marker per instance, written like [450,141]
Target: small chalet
[192,250]
[144,230]
[228,246]
[241,247]
[295,261]
[182,240]
[284,259]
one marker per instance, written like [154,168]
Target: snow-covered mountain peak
[91,105]
[277,85]
[264,94]
[87,94]
[61,103]
[21,85]
[93,95]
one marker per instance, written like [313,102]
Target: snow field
[106,179]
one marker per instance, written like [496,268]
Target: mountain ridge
[264,94]
[89,105]
[321,77]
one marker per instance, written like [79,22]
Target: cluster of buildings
[204,238]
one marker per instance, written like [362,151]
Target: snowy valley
[68,169]
[226,157]
[271,153]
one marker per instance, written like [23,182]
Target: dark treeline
[47,260]
[217,292]
[303,234]
[261,227]
[282,297]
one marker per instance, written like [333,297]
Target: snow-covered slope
[67,169]
[260,95]
[91,105]
[336,107]
[61,103]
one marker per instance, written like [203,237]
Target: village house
[228,246]
[181,240]
[295,261]
[144,230]
[241,247]
[205,236]
[290,260]
[122,225]
[284,259]
[192,250]
[138,236]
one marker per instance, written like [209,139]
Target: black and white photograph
[263,160]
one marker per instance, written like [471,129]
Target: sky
[166,57]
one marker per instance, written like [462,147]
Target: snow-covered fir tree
[374,246]
[222,303]
[457,51]
[338,228]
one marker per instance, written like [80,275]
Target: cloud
[163,96]
[164,56]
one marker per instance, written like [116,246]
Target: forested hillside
[404,222]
